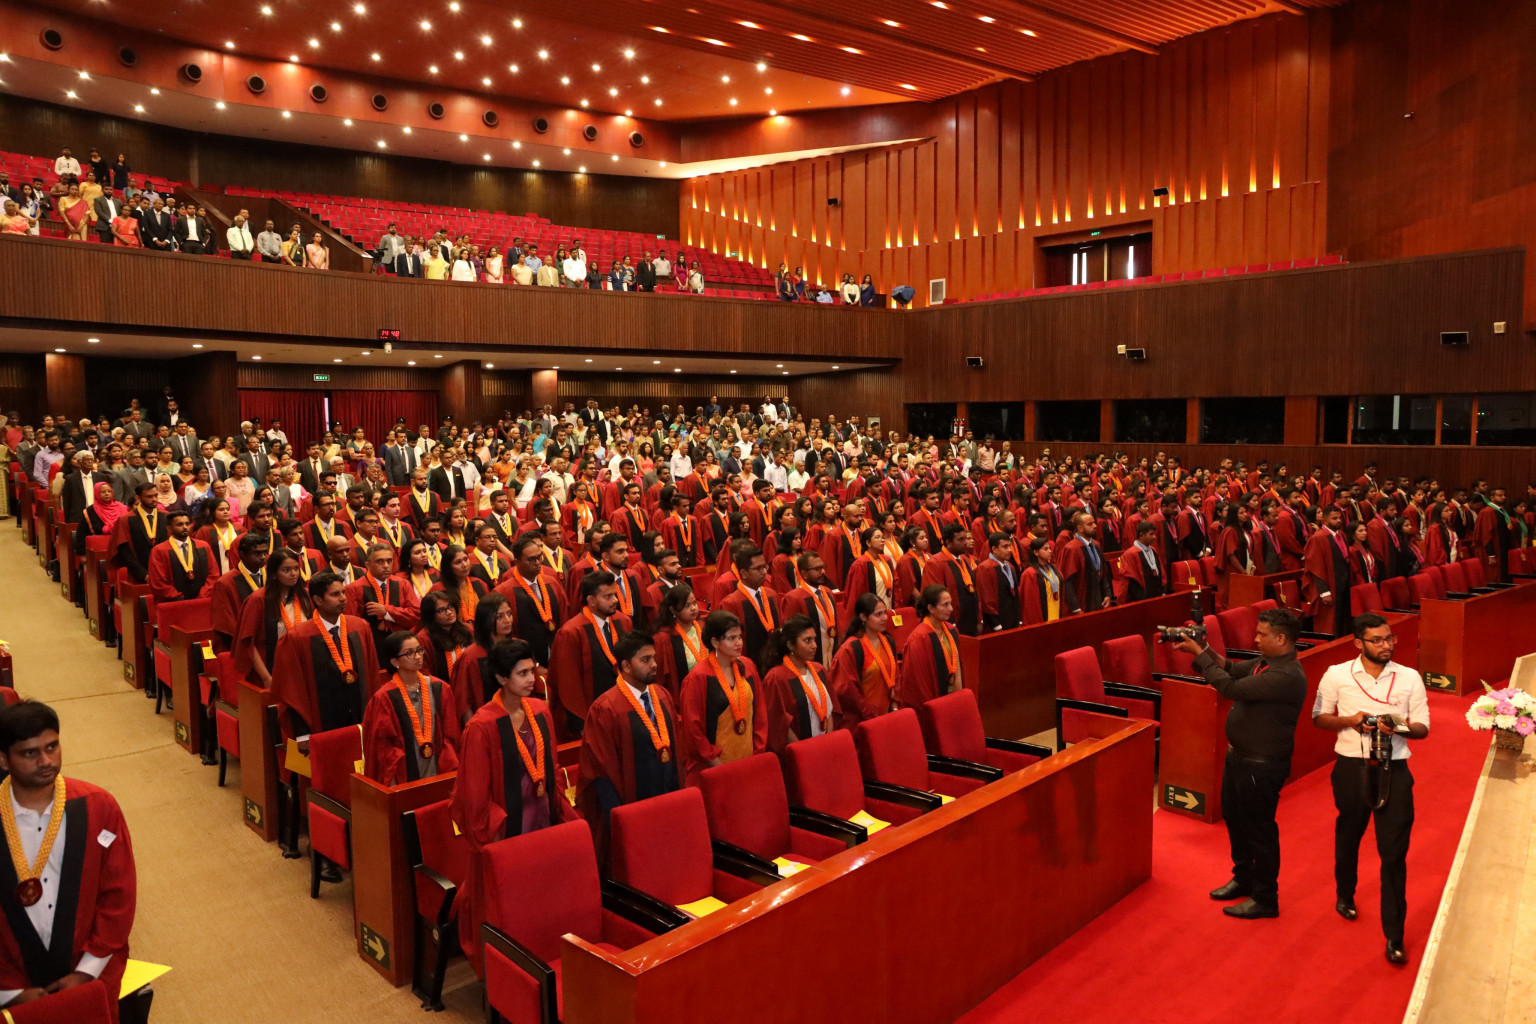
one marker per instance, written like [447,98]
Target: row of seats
[1188,275]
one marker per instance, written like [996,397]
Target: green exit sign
[322,376]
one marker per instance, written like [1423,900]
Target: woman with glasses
[410,726]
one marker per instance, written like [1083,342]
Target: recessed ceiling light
[733,101]
[287,113]
[786,373]
[85,75]
[375,56]
[565,79]
[485,40]
[59,350]
[410,362]
[893,24]
[761,66]
[71,94]
[778,366]
[366,352]
[517,22]
[733,371]
[359,9]
[771,113]
[850,49]
[454,6]
[713,42]
[517,145]
[837,367]
[535,163]
[655,362]
[554,367]
[582,169]
[512,68]
[266,9]
[589,360]
[658,101]
[490,366]
[629,113]
[458,54]
[567,152]
[154,92]
[347,122]
[615,158]
[677,369]
[335,26]
[487,156]
[229,44]
[663,163]
[426,26]
[486,81]
[584,103]
[219,105]
[382,144]
[725,78]
[293,58]
[613,92]
[314,44]
[138,108]
[749,24]
[629,54]
[94,341]
[335,360]
[846,90]
[543,55]
[645,79]
[803,39]
[904,85]
[597,67]
[768,91]
[463,138]
[984,18]
[432,68]
[1029,32]
[437,357]
[618,367]
[406,129]
[258,359]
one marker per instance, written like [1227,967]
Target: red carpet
[1167,954]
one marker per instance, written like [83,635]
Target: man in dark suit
[192,233]
[218,469]
[79,490]
[183,443]
[408,263]
[447,480]
[128,479]
[155,228]
[136,428]
[105,209]
[256,459]
[399,460]
[312,468]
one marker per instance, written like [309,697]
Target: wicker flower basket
[1508,739]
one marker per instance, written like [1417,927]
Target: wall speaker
[1161,192]
[379,101]
[1458,339]
[317,93]
[191,73]
[975,362]
[834,201]
[128,55]
[540,125]
[435,110]
[1136,355]
[491,118]
[51,39]
[589,132]
[636,139]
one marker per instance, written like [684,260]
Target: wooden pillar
[1192,421]
[1106,420]
[1301,426]
[544,389]
[207,389]
[65,384]
[1029,420]
[459,393]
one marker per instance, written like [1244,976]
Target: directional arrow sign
[1184,799]
[375,946]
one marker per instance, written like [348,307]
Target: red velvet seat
[1208,570]
[188,615]
[1126,661]
[823,775]
[1394,594]
[1288,595]
[1081,687]
[1455,576]
[952,728]
[747,807]
[891,751]
[333,757]
[1422,588]
[903,621]
[439,859]
[1186,576]
[1435,575]
[1477,576]
[540,886]
[1364,597]
[221,694]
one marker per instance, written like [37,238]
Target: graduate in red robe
[930,661]
[910,568]
[754,604]
[326,667]
[955,570]
[629,518]
[997,586]
[629,745]
[724,715]
[1142,573]
[1291,532]
[181,568]
[582,665]
[411,725]
[873,572]
[683,533]
[814,600]
[679,639]
[864,669]
[420,504]
[801,704]
[1441,544]
[669,574]
[843,545]
[91,895]
[508,783]
[230,592]
[325,525]
[1046,595]
[536,594]
[135,534]
[384,601]
[267,615]
[494,622]
[1325,586]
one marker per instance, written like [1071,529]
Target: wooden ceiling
[683,59]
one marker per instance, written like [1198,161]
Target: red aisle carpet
[1166,953]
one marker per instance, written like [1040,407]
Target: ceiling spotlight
[485,40]
[366,352]
[589,360]
[229,44]
[376,56]
[487,156]
[1029,32]
[154,92]
[383,144]
[454,6]
[597,67]
[490,366]
[615,158]
[138,108]
[543,55]
[335,26]
[516,144]
[335,360]
[846,90]
[768,91]
[437,357]
[287,113]
[517,22]
[629,113]
[913,88]
[803,39]
[837,367]
[582,169]
[463,138]
[771,113]
[663,163]
[347,122]
[645,79]
[613,92]
[733,371]
[677,369]
[314,44]
[778,366]
[406,129]
[486,81]
[725,78]
[733,101]
[218,106]
[94,341]
[258,359]
[85,75]
[583,103]
[512,68]
[293,58]
[410,362]
[565,79]
[850,49]
[359,9]
[432,69]
[629,54]
[761,66]
[655,362]
[984,18]
[267,10]
[567,152]
[893,24]
[426,26]
[59,350]
[786,373]
[658,101]
[535,163]
[458,54]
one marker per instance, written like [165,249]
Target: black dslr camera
[1174,634]
[1381,742]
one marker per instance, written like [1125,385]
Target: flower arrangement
[1512,712]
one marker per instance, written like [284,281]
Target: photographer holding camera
[1268,693]
[1375,705]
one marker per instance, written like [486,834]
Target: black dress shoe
[330,873]
[1233,890]
[1395,953]
[1248,910]
[1346,909]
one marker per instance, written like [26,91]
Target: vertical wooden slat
[1114,171]
[1265,76]
[1178,102]
[1277,240]
[874,184]
[1303,197]
[1317,95]
[907,197]
[1291,99]
[1075,124]
[1238,124]
[1229,231]
[965,171]
[927,159]
[800,175]
[1010,175]
[892,196]
[944,198]
[855,203]
[1254,216]
[988,157]
[1214,100]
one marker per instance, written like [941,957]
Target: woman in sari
[316,254]
[76,212]
[197,491]
[14,222]
[90,188]
[293,248]
[125,229]
[240,488]
[493,266]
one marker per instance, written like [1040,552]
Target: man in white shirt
[66,168]
[241,244]
[681,465]
[275,431]
[662,265]
[775,474]
[1366,786]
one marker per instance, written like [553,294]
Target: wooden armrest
[828,825]
[317,798]
[1456,595]
[528,963]
[1319,637]
[1069,703]
[964,769]
[1178,677]
[1018,747]
[226,707]
[1127,690]
[450,892]
[734,860]
[1241,652]
[641,908]
[903,795]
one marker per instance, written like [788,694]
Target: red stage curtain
[376,411]
[302,412]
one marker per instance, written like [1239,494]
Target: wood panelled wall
[1219,118]
[616,202]
[1433,113]
[23,384]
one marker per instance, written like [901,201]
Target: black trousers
[1355,787]
[1250,792]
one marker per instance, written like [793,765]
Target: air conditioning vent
[379,101]
[256,84]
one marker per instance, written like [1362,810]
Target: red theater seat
[891,750]
[952,729]
[188,615]
[1126,661]
[823,775]
[1081,687]
[332,758]
[439,858]
[541,886]
[1394,594]
[1364,597]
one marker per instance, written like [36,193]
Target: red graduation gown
[96,899]
[909,579]
[847,682]
[386,731]
[293,674]
[923,675]
[790,708]
[225,603]
[1319,565]
[163,579]
[609,747]
[315,538]
[570,662]
[400,602]
[1291,532]
[703,702]
[480,802]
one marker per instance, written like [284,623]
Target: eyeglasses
[414,652]
[1390,638]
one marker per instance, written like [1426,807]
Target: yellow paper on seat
[895,619]
[698,908]
[294,761]
[788,867]
[137,974]
[944,798]
[871,823]
[207,648]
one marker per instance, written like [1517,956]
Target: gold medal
[665,753]
[426,751]
[539,790]
[29,892]
[741,727]
[349,678]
